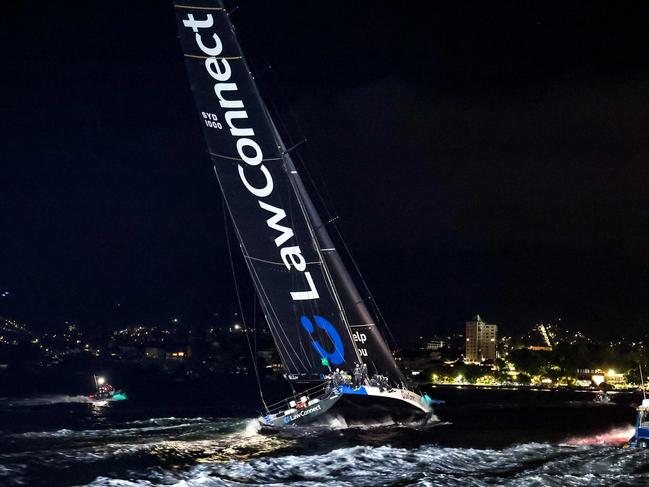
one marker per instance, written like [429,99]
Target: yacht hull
[363,405]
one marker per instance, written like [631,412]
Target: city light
[597,379]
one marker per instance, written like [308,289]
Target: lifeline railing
[284,403]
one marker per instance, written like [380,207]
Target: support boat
[105,392]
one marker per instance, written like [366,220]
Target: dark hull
[357,409]
[361,406]
[307,415]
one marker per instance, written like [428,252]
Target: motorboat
[105,392]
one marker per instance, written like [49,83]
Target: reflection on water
[614,436]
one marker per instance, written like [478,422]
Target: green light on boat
[120,396]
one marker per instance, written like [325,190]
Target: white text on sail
[248,150]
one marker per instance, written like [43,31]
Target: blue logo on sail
[337,356]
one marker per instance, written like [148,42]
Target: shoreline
[525,388]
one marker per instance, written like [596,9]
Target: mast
[314,311]
[311,215]
[371,345]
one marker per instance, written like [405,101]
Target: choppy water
[489,438]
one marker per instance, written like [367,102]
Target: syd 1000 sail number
[211,120]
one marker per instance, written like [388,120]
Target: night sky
[486,157]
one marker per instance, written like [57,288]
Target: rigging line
[252,68]
[320,196]
[332,222]
[295,146]
[278,116]
[195,7]
[256,280]
[298,128]
[288,358]
[197,56]
[301,196]
[268,100]
[275,263]
[230,158]
[325,268]
[243,319]
[367,289]
[316,187]
[288,162]
[254,322]
[271,315]
[295,182]
[270,310]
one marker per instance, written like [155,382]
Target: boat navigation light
[101,381]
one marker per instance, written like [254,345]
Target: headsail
[289,254]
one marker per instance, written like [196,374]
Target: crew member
[364,373]
[337,378]
[358,376]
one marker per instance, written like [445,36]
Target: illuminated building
[434,345]
[480,341]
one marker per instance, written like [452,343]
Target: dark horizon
[481,158]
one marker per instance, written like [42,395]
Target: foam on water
[193,452]
[337,422]
[43,400]
[521,465]
[175,443]
[123,432]
[167,421]
[252,427]
[169,427]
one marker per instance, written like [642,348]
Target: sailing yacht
[321,326]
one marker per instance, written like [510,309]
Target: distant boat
[105,392]
[321,326]
[602,398]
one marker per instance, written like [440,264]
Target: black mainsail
[316,315]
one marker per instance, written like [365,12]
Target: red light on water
[614,436]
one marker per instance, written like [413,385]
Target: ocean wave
[13,472]
[139,427]
[204,441]
[170,420]
[233,452]
[521,465]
